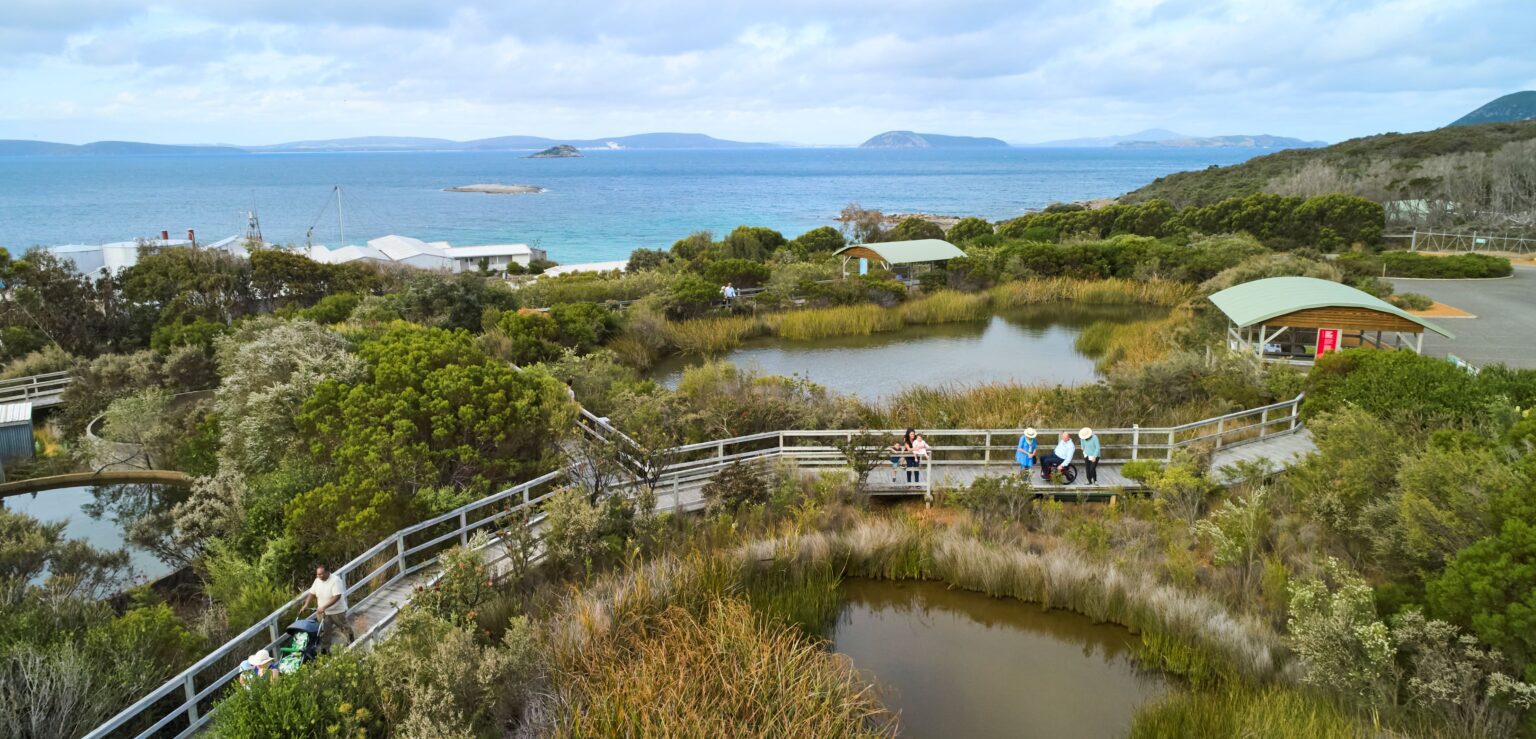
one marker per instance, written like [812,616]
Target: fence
[185,700]
[1445,241]
[45,386]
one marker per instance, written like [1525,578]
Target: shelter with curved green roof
[1283,319]
[893,254]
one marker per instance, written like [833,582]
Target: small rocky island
[494,189]
[562,151]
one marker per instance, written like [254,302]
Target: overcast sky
[808,71]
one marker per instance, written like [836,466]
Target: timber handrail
[806,447]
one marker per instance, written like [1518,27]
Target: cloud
[819,72]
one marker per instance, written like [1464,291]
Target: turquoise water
[598,207]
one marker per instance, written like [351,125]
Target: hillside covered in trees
[1481,176]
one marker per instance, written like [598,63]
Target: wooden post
[1263,423]
[986,460]
[1135,441]
[464,528]
[1169,451]
[400,554]
[928,487]
[1221,429]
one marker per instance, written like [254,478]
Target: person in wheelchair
[1059,457]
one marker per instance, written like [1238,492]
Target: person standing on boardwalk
[1028,451]
[330,594]
[907,441]
[1090,442]
[919,456]
[729,292]
[898,455]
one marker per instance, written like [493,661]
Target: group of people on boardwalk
[1060,458]
[909,452]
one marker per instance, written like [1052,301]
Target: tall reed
[711,336]
[1276,712]
[845,320]
[947,306]
[1112,291]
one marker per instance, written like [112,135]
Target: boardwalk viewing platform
[42,391]
[382,579]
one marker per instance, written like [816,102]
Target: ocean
[595,208]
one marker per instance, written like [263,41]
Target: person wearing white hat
[1090,453]
[1028,451]
[258,666]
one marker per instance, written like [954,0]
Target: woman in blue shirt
[1027,451]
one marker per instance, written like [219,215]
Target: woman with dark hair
[907,440]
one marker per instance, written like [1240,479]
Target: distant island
[911,140]
[1516,106]
[23,148]
[495,189]
[1093,142]
[1262,141]
[563,151]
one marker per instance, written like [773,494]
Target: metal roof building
[1290,319]
[15,431]
[890,254]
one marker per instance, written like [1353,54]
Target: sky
[804,71]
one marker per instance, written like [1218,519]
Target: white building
[494,257]
[120,255]
[392,249]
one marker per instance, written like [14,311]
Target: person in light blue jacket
[1028,451]
[1090,442]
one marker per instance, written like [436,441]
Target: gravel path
[1505,327]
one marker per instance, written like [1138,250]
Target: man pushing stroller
[330,594]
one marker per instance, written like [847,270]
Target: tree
[738,272]
[187,283]
[645,259]
[269,369]
[689,296]
[751,242]
[44,300]
[693,245]
[1490,588]
[532,336]
[915,227]
[583,325]
[967,229]
[431,411]
[453,301]
[862,226]
[821,240]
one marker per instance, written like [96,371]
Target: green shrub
[967,229]
[912,228]
[1412,301]
[822,240]
[337,696]
[737,486]
[690,296]
[738,272]
[1399,385]
[1414,264]
[332,308]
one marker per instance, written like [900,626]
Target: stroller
[302,647]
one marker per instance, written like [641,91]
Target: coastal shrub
[452,301]
[915,227]
[738,485]
[338,696]
[438,679]
[1006,499]
[1264,266]
[752,243]
[821,240]
[1490,588]
[583,325]
[689,296]
[644,259]
[737,272]
[693,245]
[1412,301]
[1414,264]
[967,229]
[332,308]
[593,287]
[1401,386]
[531,336]
[51,358]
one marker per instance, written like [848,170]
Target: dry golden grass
[730,673]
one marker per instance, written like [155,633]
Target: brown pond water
[960,664]
[1032,345]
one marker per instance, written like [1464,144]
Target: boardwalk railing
[33,387]
[182,705]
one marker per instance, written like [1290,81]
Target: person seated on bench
[1061,456]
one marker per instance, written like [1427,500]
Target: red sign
[1327,340]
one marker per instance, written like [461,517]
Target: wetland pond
[960,664]
[100,514]
[1032,345]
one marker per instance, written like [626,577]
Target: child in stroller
[302,647]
